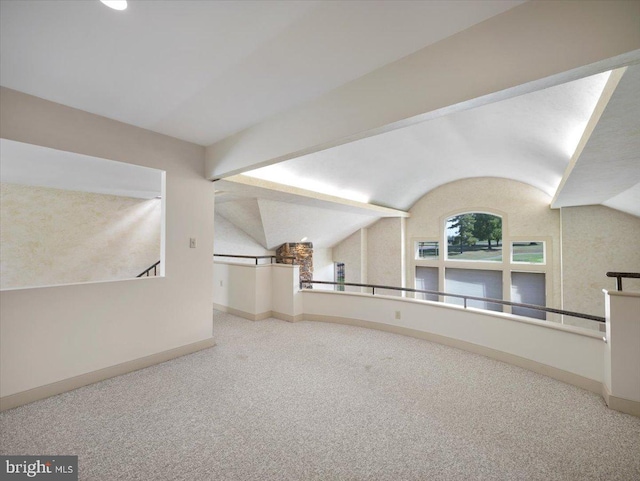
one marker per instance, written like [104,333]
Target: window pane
[527,252]
[427,280]
[427,250]
[528,288]
[474,237]
[472,282]
[339,275]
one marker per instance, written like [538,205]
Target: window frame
[446,237]
[544,252]
[505,266]
[416,250]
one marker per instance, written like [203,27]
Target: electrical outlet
[220,283]
[192,242]
[398,315]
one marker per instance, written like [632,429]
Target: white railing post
[621,388]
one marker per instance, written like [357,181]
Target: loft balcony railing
[623,275]
[272,259]
[465,298]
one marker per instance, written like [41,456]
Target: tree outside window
[474,236]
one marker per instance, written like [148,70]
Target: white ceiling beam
[532,46]
[264,189]
[603,101]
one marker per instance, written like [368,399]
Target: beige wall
[53,236]
[385,252]
[596,240]
[352,252]
[526,216]
[48,334]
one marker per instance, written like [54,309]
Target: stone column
[299,253]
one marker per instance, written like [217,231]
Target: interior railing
[621,275]
[147,272]
[465,298]
[272,259]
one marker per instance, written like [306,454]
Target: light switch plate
[192,242]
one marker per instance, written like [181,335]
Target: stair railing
[147,272]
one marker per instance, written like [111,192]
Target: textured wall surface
[525,210]
[384,252]
[596,240]
[53,236]
[229,239]
[349,251]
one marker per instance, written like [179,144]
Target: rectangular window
[427,250]
[472,282]
[527,252]
[528,288]
[339,275]
[426,280]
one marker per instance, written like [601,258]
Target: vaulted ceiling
[204,70]
[529,138]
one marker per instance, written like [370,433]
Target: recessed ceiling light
[116,4]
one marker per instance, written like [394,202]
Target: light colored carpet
[314,401]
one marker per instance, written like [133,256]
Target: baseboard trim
[620,404]
[287,317]
[243,314]
[258,317]
[59,387]
[550,371]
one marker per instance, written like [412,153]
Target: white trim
[42,392]
[544,369]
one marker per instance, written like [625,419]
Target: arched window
[482,259]
[474,236]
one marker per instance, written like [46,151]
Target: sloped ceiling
[608,169]
[29,164]
[271,223]
[245,214]
[529,138]
[284,222]
[202,70]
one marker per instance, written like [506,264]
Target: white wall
[54,236]
[286,296]
[622,352]
[51,334]
[256,291]
[323,267]
[548,344]
[596,240]
[243,287]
